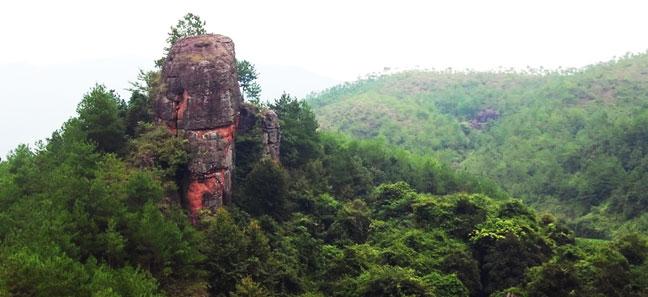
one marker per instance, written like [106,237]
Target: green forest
[389,186]
[569,142]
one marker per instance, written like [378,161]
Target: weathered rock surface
[268,121]
[200,88]
[271,134]
[200,100]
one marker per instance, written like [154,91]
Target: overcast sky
[51,52]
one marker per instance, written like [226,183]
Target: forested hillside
[100,207]
[340,217]
[572,142]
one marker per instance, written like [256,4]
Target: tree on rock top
[247,76]
[189,25]
[192,25]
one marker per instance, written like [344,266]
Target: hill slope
[572,141]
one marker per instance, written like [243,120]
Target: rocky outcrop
[482,118]
[200,100]
[271,134]
[268,122]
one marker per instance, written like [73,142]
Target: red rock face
[200,100]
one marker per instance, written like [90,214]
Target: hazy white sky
[53,51]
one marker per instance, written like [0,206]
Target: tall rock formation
[200,100]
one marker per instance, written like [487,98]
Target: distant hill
[571,141]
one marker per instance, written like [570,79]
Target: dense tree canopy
[342,218]
[101,116]
[96,209]
[571,142]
